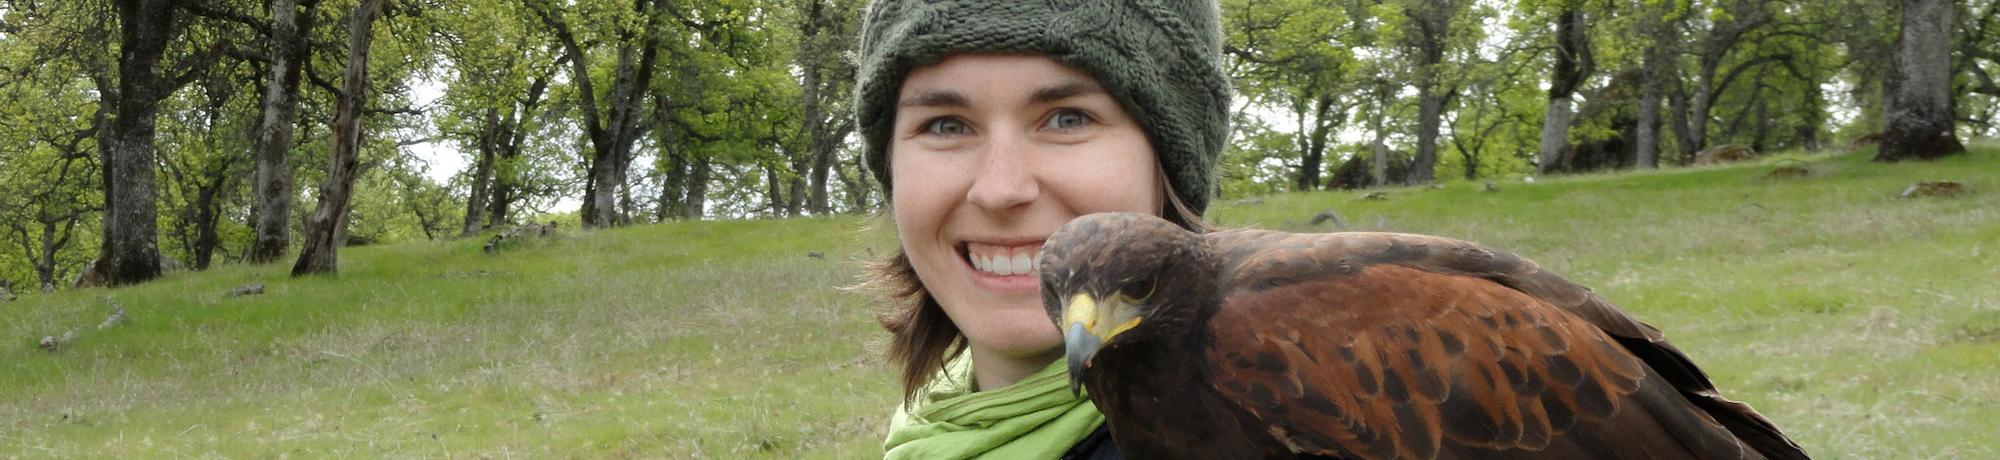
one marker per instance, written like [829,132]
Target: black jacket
[1097,446]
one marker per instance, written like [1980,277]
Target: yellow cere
[1082,309]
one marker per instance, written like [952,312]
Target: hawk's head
[1119,280]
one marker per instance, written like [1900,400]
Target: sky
[444,160]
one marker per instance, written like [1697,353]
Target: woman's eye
[1067,119]
[945,127]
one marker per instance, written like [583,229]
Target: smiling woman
[990,154]
[991,124]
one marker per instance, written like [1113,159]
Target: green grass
[1867,326]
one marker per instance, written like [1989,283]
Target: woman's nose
[1006,177]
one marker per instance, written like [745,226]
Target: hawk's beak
[1078,346]
[1089,328]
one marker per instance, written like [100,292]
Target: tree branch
[202,10]
[404,110]
[1739,69]
[323,83]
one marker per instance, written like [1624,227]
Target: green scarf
[1036,417]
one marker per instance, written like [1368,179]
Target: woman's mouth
[999,260]
[1008,269]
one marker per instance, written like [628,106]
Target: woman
[992,123]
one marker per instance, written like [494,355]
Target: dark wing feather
[1452,256]
[1400,346]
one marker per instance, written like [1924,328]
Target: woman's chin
[1020,336]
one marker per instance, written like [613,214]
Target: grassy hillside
[1867,326]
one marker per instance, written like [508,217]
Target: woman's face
[990,154]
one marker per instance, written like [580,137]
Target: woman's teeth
[1005,261]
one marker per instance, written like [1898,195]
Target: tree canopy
[204,132]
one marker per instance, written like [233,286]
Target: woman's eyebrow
[1064,90]
[935,98]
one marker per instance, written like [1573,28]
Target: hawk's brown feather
[1379,346]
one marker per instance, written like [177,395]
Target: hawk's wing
[1380,346]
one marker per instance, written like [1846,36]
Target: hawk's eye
[1137,289]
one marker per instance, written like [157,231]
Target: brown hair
[922,337]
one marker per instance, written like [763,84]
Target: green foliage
[1286,55]
[1285,48]
[1259,161]
[1779,75]
[49,177]
[1495,126]
[205,135]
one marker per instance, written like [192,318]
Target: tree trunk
[45,263]
[611,133]
[1472,147]
[326,228]
[673,186]
[1693,136]
[1698,114]
[204,209]
[1917,109]
[502,189]
[822,166]
[1815,116]
[502,192]
[593,174]
[53,241]
[1761,117]
[1431,27]
[499,208]
[1572,66]
[1379,162]
[1430,111]
[1648,136]
[810,62]
[482,174]
[697,189]
[1471,165]
[815,165]
[45,266]
[1325,118]
[586,96]
[854,188]
[859,189]
[207,215]
[272,191]
[1555,135]
[1678,120]
[130,253]
[795,197]
[1467,155]
[1310,158]
[826,80]
[624,193]
[774,191]
[1723,36]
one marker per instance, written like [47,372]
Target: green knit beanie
[1160,58]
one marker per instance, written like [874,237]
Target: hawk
[1263,344]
